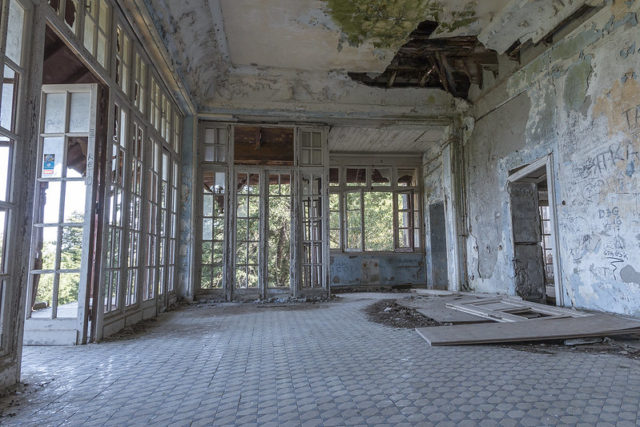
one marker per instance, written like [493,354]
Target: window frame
[369,162]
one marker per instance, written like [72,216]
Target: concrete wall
[377,269]
[577,100]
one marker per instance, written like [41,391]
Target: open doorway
[534,234]
[65,239]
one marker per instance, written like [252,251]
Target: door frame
[546,162]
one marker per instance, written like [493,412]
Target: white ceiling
[384,140]
[295,34]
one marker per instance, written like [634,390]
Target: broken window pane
[77,157]
[71,14]
[381,177]
[407,178]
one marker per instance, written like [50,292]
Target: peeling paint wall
[578,100]
[377,269]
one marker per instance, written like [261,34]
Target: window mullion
[362,247]
[396,243]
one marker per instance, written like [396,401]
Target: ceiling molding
[142,23]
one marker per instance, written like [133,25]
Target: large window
[374,208]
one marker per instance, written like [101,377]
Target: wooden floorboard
[436,309]
[531,330]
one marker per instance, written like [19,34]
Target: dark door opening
[532,223]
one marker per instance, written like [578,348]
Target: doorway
[263,217]
[533,222]
[59,294]
[65,238]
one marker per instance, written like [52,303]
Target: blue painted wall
[378,269]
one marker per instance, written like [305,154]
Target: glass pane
[353,220]
[206,252]
[9,98]
[89,28]
[279,233]
[217,253]
[80,111]
[209,153]
[49,202]
[316,141]
[3,230]
[217,277]
[5,171]
[15,26]
[205,277]
[210,136]
[207,205]
[101,55]
[407,177]
[207,229]
[356,176]
[49,246]
[104,15]
[43,287]
[52,151]
[316,157]
[71,248]
[68,295]
[74,202]
[77,157]
[378,221]
[55,110]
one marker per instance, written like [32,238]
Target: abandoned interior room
[320,212]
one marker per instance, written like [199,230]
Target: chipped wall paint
[580,101]
[377,269]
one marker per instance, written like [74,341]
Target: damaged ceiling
[247,55]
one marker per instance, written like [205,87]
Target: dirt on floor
[13,397]
[626,346]
[388,312]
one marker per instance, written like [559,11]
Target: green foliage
[386,22]
[378,221]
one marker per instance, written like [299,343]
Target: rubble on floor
[391,312]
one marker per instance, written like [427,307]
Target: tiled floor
[315,366]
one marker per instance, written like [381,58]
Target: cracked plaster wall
[578,100]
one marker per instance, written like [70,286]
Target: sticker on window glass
[48,164]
